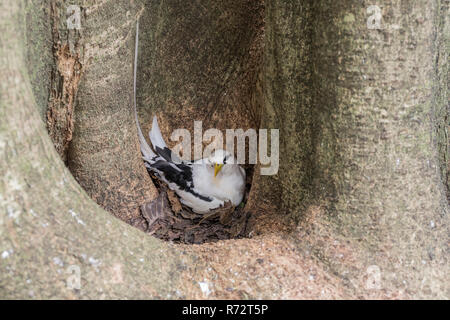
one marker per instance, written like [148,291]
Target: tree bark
[104,152]
[39,51]
[358,110]
[200,61]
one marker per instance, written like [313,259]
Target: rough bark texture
[65,78]
[288,106]
[104,154]
[40,60]
[373,223]
[441,91]
[356,108]
[200,61]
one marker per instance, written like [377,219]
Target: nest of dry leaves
[168,220]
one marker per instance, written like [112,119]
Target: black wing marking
[180,174]
[169,156]
[180,165]
[166,153]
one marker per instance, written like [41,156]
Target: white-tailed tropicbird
[202,185]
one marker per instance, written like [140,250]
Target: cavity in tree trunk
[363,147]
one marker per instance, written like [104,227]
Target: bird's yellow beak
[217,168]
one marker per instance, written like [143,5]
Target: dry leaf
[188,227]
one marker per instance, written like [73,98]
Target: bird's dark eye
[225,160]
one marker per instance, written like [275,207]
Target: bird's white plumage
[198,184]
[205,190]
[228,185]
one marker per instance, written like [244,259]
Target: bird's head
[222,161]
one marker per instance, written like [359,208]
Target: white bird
[202,185]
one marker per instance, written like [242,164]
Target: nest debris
[170,221]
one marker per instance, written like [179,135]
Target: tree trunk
[200,61]
[103,153]
[357,109]
[359,112]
